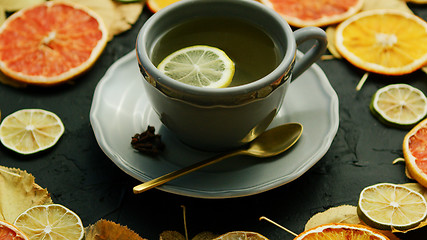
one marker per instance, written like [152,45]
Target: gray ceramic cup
[224,118]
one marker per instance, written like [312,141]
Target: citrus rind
[407,100]
[373,36]
[50,218]
[42,78]
[19,130]
[18,234]
[318,21]
[199,65]
[411,161]
[341,231]
[380,206]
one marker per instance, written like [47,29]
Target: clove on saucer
[148,142]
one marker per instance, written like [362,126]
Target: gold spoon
[268,144]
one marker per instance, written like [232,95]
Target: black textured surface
[80,176]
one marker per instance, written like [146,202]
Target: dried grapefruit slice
[415,152]
[303,13]
[380,41]
[340,231]
[10,232]
[50,43]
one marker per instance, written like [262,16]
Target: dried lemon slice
[200,65]
[238,235]
[389,206]
[380,41]
[30,130]
[399,105]
[53,221]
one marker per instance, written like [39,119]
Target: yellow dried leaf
[2,15]
[107,230]
[417,1]
[386,4]
[18,192]
[129,12]
[171,235]
[205,236]
[341,214]
[14,5]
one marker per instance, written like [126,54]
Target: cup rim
[279,72]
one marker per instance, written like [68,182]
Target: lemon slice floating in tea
[201,66]
[383,41]
[52,221]
[387,206]
[30,130]
[399,105]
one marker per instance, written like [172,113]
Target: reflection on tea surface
[253,52]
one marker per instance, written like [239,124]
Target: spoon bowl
[275,141]
[270,143]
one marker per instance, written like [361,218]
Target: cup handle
[319,47]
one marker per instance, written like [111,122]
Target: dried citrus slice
[340,231]
[50,43]
[156,5]
[10,232]
[415,152]
[53,222]
[399,105]
[200,66]
[238,235]
[304,13]
[380,41]
[30,130]
[389,206]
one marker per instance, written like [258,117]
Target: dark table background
[80,176]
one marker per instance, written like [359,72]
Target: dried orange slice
[156,5]
[340,231]
[10,232]
[304,13]
[380,41]
[50,43]
[415,152]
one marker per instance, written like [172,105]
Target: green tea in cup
[253,51]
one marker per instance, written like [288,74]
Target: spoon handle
[178,173]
